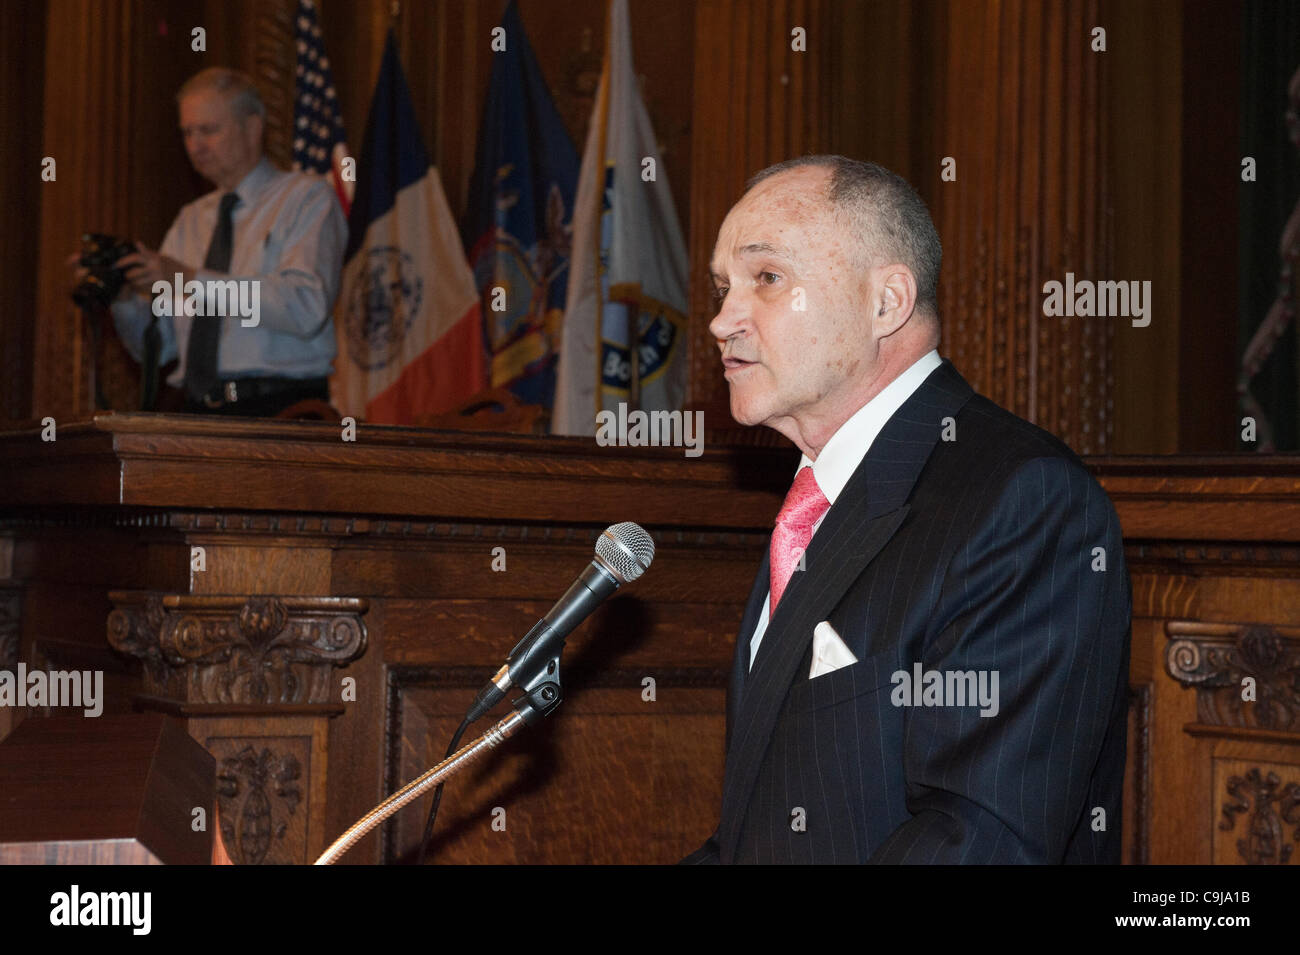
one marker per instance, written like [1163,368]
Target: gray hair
[885,210]
[239,89]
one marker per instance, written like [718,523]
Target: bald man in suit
[933,661]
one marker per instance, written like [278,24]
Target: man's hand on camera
[80,272]
[145,267]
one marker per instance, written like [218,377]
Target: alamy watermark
[83,688]
[923,687]
[78,908]
[214,298]
[639,429]
[1088,299]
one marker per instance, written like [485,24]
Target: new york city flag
[410,338]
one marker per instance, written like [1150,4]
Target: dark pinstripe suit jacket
[977,553]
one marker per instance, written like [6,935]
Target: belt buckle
[229,395]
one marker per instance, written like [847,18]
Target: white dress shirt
[290,235]
[848,446]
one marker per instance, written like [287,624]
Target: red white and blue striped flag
[410,337]
[319,144]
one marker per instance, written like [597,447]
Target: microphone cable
[437,793]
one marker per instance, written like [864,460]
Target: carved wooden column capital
[219,649]
[1216,658]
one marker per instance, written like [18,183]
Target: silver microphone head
[626,550]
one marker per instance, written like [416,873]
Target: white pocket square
[829,651]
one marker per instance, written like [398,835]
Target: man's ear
[896,300]
[253,128]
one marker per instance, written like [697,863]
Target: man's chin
[744,412]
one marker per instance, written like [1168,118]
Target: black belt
[234,390]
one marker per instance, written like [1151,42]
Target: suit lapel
[865,516]
[740,661]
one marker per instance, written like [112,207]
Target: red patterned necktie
[804,505]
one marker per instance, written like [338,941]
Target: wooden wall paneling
[1137,779]
[1180,782]
[559,795]
[1209,418]
[1142,80]
[87,123]
[358,740]
[1029,66]
[456,74]
[445,627]
[22,66]
[1144,671]
[354,39]
[963,296]
[1019,126]
[879,92]
[766,103]
[274,65]
[684,645]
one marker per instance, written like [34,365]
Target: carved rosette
[1270,809]
[236,649]
[1217,659]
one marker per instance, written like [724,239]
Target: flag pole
[600,201]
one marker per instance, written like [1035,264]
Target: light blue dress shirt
[290,235]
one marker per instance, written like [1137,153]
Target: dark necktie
[205,332]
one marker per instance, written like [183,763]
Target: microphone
[623,553]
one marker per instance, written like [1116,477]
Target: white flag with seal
[627,274]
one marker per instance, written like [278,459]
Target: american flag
[319,144]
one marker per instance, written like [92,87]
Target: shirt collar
[851,441]
[255,181]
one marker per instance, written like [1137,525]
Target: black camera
[98,253]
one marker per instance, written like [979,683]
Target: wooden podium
[319,613]
[113,790]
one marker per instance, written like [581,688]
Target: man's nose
[732,317]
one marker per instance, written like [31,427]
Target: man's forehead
[204,102]
[771,218]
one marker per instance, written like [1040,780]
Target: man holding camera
[264,238]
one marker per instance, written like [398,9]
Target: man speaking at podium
[279,235]
[933,662]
